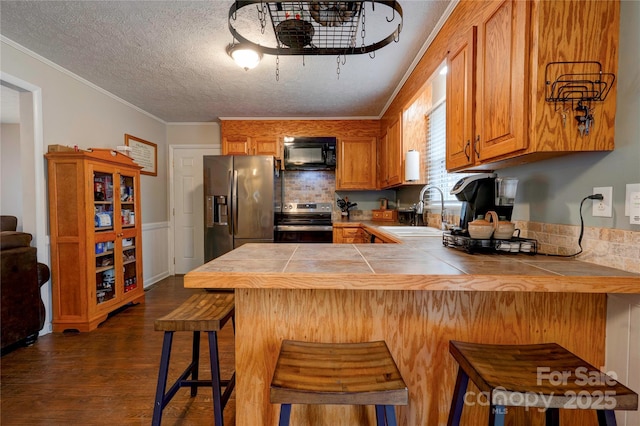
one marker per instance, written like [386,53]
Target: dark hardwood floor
[108,376]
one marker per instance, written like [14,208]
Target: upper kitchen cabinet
[245,145]
[356,165]
[390,155]
[499,78]
[460,95]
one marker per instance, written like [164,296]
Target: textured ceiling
[168,58]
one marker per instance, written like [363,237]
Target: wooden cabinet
[495,85]
[460,95]
[96,236]
[357,233]
[351,235]
[385,215]
[356,168]
[497,114]
[244,145]
[500,75]
[390,153]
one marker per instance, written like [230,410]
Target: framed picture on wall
[144,153]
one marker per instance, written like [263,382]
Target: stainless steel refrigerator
[238,202]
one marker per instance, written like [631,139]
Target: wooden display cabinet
[96,236]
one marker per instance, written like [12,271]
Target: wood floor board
[108,376]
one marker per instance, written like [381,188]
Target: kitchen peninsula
[416,296]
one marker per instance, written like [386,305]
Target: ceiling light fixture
[244,55]
[337,28]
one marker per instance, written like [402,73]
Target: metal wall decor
[337,28]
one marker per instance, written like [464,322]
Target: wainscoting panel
[155,252]
[623,347]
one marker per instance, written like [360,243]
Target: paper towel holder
[412,166]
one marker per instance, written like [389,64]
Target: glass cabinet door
[129,259]
[127,202]
[105,271]
[103,201]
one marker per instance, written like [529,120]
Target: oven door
[304,234]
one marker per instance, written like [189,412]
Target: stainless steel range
[303,223]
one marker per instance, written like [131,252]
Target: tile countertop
[418,263]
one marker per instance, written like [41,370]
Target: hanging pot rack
[316,28]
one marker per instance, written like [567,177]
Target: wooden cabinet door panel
[356,167]
[460,97]
[394,153]
[501,82]
[267,146]
[235,145]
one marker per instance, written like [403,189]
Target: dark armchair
[23,312]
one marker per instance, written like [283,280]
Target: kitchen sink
[411,231]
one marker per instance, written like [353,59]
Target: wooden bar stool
[338,373]
[535,376]
[207,312]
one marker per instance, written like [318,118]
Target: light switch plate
[630,188]
[604,207]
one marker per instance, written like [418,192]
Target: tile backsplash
[616,248]
[305,186]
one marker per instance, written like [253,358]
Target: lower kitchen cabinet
[359,234]
[350,235]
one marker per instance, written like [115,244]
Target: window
[436,155]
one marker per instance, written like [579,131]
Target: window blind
[436,155]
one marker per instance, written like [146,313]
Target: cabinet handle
[475,147]
[467,149]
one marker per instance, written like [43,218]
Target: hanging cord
[590,197]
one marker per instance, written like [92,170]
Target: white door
[188,207]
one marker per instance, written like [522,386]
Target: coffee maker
[482,193]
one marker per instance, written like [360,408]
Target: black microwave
[310,153]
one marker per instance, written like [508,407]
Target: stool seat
[207,312]
[201,312]
[338,373]
[539,375]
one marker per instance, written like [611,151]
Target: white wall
[10,174]
[193,134]
[75,112]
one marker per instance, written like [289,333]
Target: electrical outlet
[604,207]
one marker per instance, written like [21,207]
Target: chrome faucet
[420,206]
